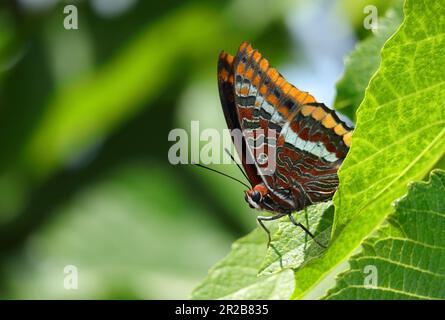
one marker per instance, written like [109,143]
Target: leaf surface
[400,134]
[363,62]
[291,247]
[236,276]
[407,258]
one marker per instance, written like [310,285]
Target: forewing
[226,95]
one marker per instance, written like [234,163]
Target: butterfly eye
[256,196]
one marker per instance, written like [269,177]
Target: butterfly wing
[311,148]
[305,141]
[226,94]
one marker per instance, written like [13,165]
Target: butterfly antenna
[222,173]
[237,164]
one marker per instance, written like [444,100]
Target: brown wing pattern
[309,139]
[226,95]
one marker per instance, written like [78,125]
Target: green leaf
[400,135]
[440,164]
[407,256]
[291,247]
[363,62]
[236,276]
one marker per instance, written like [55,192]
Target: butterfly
[306,140]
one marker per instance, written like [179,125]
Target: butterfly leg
[296,223]
[261,220]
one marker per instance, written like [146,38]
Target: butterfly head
[255,196]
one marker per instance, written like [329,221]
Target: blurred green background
[84,118]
